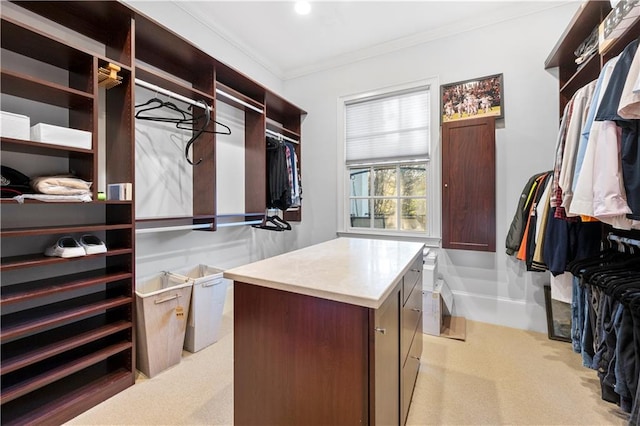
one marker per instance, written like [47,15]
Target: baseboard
[500,311]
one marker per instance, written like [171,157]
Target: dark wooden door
[468,185]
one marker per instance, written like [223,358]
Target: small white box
[120,191]
[429,270]
[436,304]
[14,126]
[47,133]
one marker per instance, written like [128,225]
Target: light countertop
[351,270]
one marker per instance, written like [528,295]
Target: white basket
[47,133]
[207,304]
[162,304]
[14,126]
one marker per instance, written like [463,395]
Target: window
[387,140]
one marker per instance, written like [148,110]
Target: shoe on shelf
[92,244]
[65,247]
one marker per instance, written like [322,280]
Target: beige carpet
[498,376]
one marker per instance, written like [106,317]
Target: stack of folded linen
[61,185]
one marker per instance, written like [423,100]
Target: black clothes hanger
[207,117]
[188,124]
[274,223]
[185,122]
[155,103]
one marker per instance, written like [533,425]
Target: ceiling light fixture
[303,7]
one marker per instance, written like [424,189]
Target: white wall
[490,287]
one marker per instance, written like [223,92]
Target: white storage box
[429,270]
[47,133]
[14,126]
[162,304]
[436,304]
[207,304]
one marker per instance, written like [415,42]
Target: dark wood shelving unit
[64,352]
[67,336]
[571,76]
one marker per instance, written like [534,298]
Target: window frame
[433,229]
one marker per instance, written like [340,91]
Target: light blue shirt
[586,129]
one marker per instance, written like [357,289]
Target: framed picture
[478,97]
[558,317]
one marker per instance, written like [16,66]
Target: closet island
[328,334]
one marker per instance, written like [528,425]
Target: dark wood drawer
[410,374]
[411,314]
[411,277]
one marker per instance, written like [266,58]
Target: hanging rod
[624,240]
[240,101]
[174,95]
[281,136]
[246,222]
[173,228]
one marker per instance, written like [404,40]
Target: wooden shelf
[104,21]
[38,354]
[170,83]
[588,72]
[67,398]
[39,381]
[229,100]
[39,259]
[32,147]
[32,320]
[49,230]
[35,289]
[21,39]
[35,89]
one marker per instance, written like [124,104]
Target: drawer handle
[381,330]
[415,357]
[416,310]
[415,270]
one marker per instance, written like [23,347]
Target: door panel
[468,185]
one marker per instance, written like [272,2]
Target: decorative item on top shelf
[621,17]
[587,48]
[473,98]
[108,77]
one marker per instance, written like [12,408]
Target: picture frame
[473,98]
[558,317]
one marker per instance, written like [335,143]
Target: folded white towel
[61,185]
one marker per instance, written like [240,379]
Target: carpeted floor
[498,376]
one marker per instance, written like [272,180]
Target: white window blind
[393,126]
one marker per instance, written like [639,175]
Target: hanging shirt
[581,103]
[582,202]
[628,135]
[629,106]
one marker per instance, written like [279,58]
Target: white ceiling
[339,32]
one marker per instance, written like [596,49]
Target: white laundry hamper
[162,305]
[207,304]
